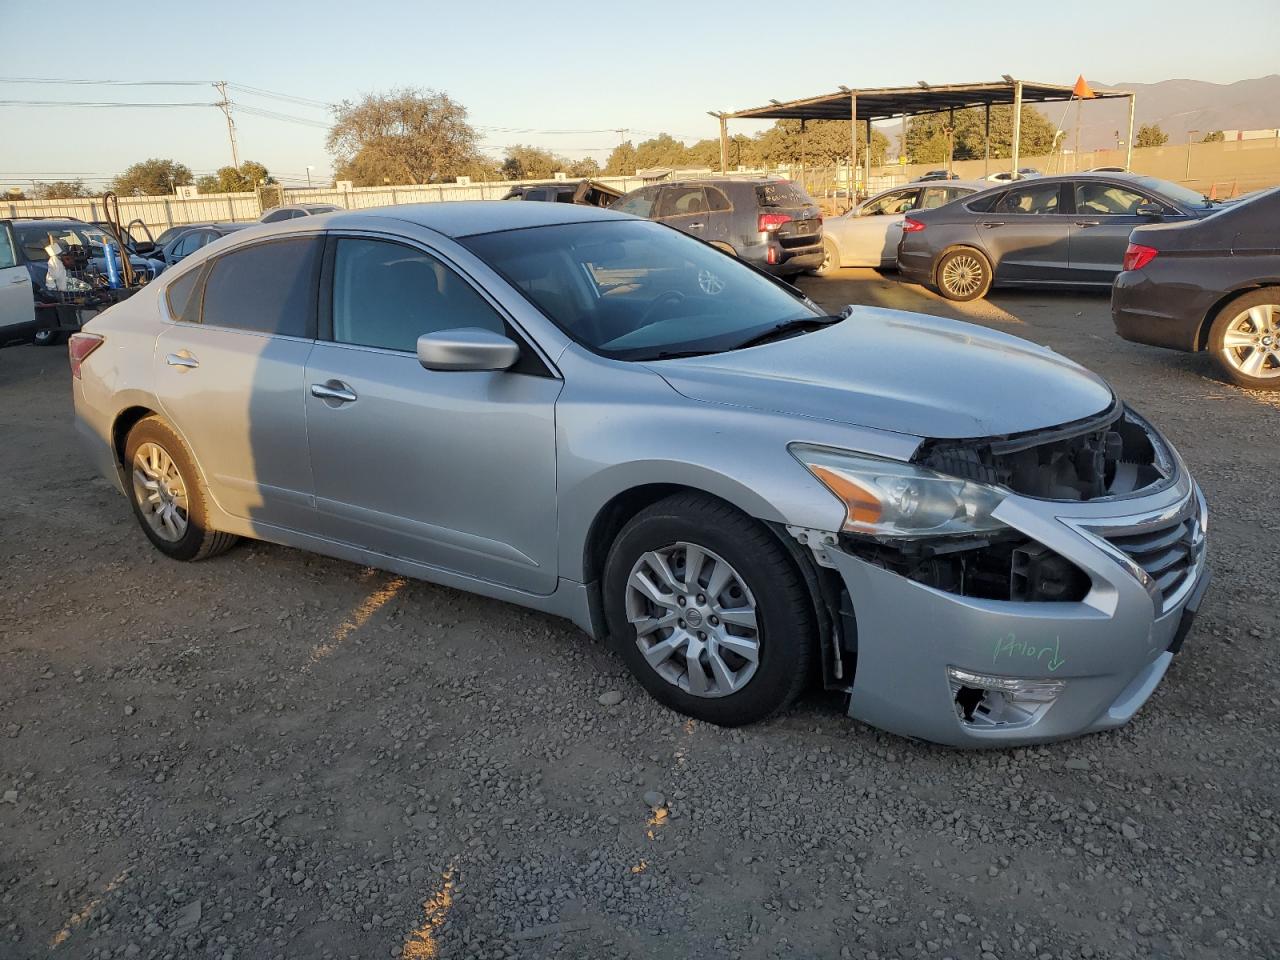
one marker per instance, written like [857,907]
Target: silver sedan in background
[598,416]
[868,235]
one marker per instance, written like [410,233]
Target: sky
[560,75]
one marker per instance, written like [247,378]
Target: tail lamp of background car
[887,498]
[1138,256]
[79,346]
[911,225]
[770,222]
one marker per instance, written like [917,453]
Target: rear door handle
[1086,223]
[18,280]
[333,390]
[993,223]
[696,226]
[182,359]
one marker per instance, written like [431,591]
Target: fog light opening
[983,700]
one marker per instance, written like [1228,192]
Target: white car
[1024,173]
[867,236]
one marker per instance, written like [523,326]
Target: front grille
[1168,554]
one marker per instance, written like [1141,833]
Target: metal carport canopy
[888,102]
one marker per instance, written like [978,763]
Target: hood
[898,371]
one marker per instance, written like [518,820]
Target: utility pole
[225,106]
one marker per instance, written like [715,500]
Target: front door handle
[697,226]
[993,223]
[18,280]
[182,359]
[334,390]
[1086,223]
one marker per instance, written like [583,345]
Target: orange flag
[1081,89]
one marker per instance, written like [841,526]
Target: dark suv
[587,192]
[771,224]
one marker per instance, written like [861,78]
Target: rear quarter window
[984,204]
[182,296]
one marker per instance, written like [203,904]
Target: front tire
[1245,339]
[709,611]
[963,274]
[168,497]
[831,261]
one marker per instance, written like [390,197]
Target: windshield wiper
[794,325]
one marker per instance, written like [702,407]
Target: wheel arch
[125,421]
[1201,341]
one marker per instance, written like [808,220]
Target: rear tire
[724,248]
[963,274]
[167,494]
[731,642]
[832,262]
[1245,339]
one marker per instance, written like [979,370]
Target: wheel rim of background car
[1251,343]
[160,492]
[695,619]
[962,275]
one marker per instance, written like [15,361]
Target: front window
[1175,192]
[890,203]
[1107,199]
[637,290]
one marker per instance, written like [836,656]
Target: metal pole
[986,139]
[1128,156]
[866,161]
[724,144]
[225,106]
[1190,134]
[951,142]
[1017,125]
[853,147]
[1076,155]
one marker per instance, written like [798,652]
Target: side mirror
[143,246]
[467,348]
[1149,210]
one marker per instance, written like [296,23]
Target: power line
[102,103]
[119,83]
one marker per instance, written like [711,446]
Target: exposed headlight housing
[889,498]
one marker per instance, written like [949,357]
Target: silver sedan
[868,235]
[598,416]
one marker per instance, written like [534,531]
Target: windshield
[637,290]
[33,238]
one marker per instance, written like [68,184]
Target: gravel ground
[274,754]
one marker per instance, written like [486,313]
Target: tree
[230,180]
[405,136]
[14,193]
[152,178]
[586,167]
[1150,135]
[524,162]
[926,140]
[1213,136]
[61,190]
[663,150]
[820,142]
[622,161]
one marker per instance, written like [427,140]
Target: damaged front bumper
[972,672]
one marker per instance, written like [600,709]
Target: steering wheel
[674,297]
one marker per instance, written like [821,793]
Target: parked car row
[585,413]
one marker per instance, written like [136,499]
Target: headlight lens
[893,499]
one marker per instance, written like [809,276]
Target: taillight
[1138,256]
[79,346]
[769,222]
[911,225]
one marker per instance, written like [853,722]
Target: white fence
[160,213]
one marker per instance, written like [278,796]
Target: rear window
[780,193]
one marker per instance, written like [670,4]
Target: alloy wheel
[1251,343]
[695,619]
[160,492]
[962,275]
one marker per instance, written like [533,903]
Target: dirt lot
[273,754]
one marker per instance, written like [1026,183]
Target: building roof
[885,103]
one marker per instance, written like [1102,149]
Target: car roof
[463,218]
